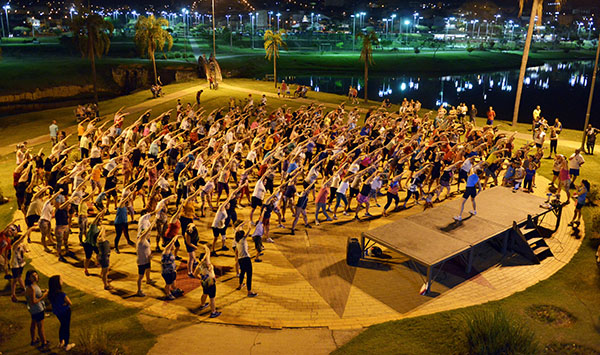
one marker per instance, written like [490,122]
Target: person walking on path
[53,132]
[473,188]
[35,304]
[61,307]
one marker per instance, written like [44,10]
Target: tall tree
[274,41]
[366,54]
[536,10]
[92,35]
[150,36]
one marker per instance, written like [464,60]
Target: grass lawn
[388,62]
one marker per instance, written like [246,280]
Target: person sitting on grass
[205,271]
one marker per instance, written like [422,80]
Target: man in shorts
[473,188]
[575,162]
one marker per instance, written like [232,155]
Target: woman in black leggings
[243,258]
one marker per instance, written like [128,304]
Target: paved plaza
[304,280]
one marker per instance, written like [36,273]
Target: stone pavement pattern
[304,281]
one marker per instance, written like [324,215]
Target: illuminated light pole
[2,25]
[385,21]
[240,23]
[415,18]
[71,10]
[392,24]
[6,8]
[311,19]
[362,20]
[278,18]
[230,32]
[407,23]
[252,29]
[270,13]
[214,30]
[353,30]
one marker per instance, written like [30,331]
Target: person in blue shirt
[473,188]
[582,192]
[61,307]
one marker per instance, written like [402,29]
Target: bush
[595,227]
[94,342]
[417,50]
[470,49]
[592,195]
[492,332]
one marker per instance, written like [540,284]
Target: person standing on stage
[473,188]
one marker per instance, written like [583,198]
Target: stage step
[533,241]
[529,244]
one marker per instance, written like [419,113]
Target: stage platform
[433,237]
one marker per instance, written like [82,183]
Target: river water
[560,88]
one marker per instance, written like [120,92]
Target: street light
[240,23]
[385,21]
[6,8]
[71,10]
[353,30]
[270,14]
[392,24]
[415,17]
[362,21]
[406,22]
[252,28]
[278,18]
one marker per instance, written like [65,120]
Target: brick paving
[302,286]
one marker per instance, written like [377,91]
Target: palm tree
[536,10]
[366,54]
[91,34]
[151,36]
[273,41]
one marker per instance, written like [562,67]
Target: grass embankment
[346,63]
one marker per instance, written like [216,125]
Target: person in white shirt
[540,137]
[575,162]
[258,195]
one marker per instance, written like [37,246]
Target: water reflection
[561,89]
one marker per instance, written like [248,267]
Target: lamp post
[385,21]
[392,24]
[415,18]
[6,8]
[270,13]
[589,106]
[362,21]
[311,19]
[353,30]
[71,10]
[252,29]
[240,23]
[278,18]
[407,23]
[2,25]
[214,30]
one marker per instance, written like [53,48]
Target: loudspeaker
[353,252]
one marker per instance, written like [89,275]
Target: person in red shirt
[491,115]
[321,201]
